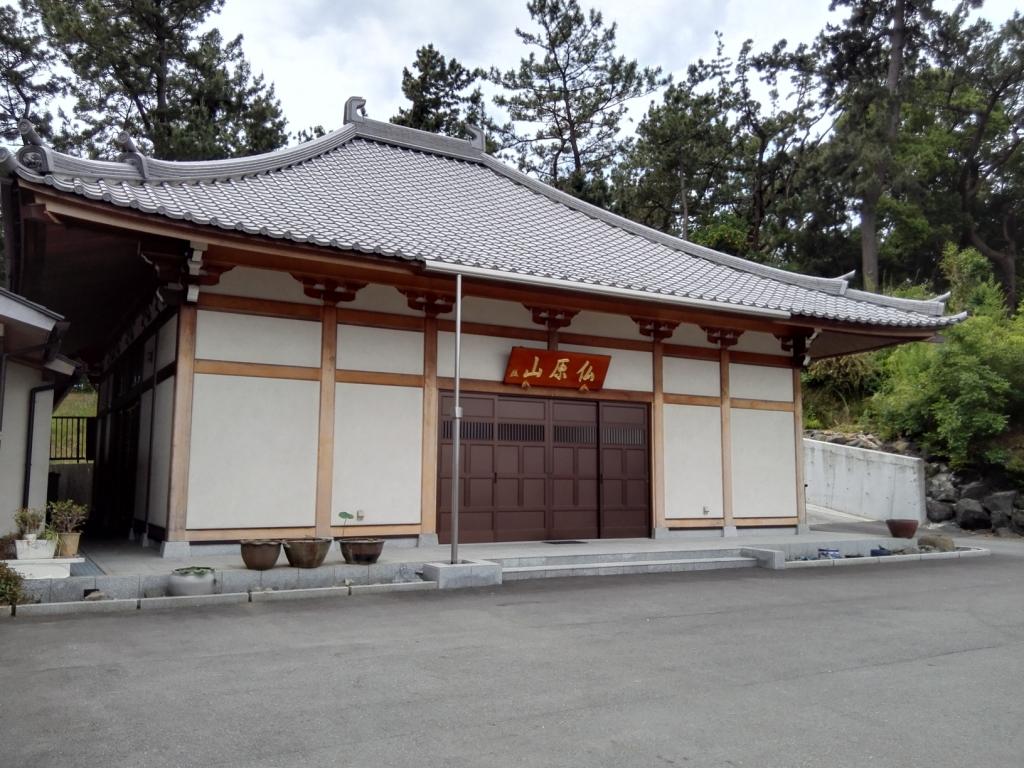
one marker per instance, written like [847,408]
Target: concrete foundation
[467,573]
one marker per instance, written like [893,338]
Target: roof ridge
[935,306]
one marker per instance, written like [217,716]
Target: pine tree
[27,81]
[145,67]
[437,93]
[572,92]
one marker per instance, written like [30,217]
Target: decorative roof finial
[125,143]
[477,137]
[28,133]
[355,110]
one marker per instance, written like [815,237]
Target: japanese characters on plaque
[554,368]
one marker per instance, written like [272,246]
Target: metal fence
[72,438]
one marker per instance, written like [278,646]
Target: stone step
[623,568]
[614,557]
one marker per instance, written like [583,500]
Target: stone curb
[192,601]
[84,606]
[889,559]
[281,595]
[404,586]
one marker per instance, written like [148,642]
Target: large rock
[939,511]
[971,515]
[941,488]
[937,541]
[1017,520]
[979,489]
[1000,507]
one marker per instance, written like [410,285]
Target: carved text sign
[554,368]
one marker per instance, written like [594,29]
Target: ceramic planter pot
[306,553]
[902,528]
[67,544]
[260,554]
[35,549]
[361,551]
[190,581]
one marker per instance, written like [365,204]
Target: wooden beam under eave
[798,439]
[726,428]
[325,436]
[428,467]
[181,425]
[658,437]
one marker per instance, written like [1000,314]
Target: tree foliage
[27,81]
[570,93]
[145,67]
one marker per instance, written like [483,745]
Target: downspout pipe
[30,433]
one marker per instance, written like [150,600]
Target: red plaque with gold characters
[554,368]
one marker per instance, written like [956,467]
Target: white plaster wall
[168,349]
[142,456]
[377,443]
[477,310]
[379,349]
[13,433]
[764,343]
[160,480]
[691,336]
[252,339]
[628,369]
[760,382]
[260,284]
[483,357]
[683,376]
[253,452]
[604,324]
[383,298]
[763,464]
[40,450]
[693,462]
[862,482]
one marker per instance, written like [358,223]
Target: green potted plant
[191,580]
[30,546]
[67,518]
[11,584]
[358,550]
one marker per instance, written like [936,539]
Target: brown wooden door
[535,469]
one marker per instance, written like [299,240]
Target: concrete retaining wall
[872,484]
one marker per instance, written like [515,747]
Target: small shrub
[67,515]
[28,520]
[11,586]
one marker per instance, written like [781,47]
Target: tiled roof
[382,189]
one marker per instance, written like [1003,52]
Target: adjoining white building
[30,369]
[273,342]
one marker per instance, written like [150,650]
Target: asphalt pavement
[902,665]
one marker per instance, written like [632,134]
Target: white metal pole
[456,421]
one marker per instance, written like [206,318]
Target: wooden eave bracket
[38,212]
[723,337]
[658,330]
[329,290]
[796,345]
[430,303]
[553,318]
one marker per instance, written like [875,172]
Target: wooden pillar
[726,425]
[658,436]
[325,440]
[181,427]
[798,439]
[428,479]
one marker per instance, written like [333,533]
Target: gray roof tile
[378,188]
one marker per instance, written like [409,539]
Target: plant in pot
[306,553]
[260,554]
[29,545]
[191,580]
[358,550]
[67,518]
[901,528]
[11,585]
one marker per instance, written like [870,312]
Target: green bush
[11,584]
[962,396]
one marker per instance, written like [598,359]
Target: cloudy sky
[320,52]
